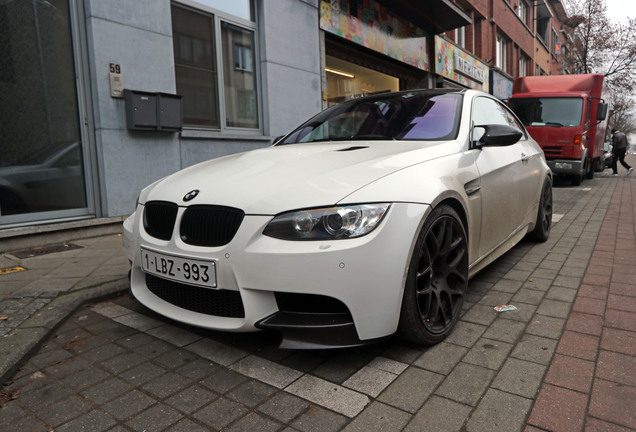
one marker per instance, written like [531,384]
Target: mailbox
[169,112]
[153,111]
[141,110]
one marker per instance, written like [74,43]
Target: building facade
[99,99]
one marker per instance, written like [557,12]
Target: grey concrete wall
[137,35]
[290,62]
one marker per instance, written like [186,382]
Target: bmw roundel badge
[191,195]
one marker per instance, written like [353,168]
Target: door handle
[525,158]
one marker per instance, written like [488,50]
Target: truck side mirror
[601,111]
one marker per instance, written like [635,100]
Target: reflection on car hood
[276,179]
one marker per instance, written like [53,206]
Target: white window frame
[220,16]
[501,60]
[460,37]
[523,65]
[522,12]
[555,40]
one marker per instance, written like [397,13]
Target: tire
[437,279]
[589,170]
[599,165]
[543,224]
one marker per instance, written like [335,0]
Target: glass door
[42,170]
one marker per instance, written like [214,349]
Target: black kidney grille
[203,225]
[221,303]
[159,219]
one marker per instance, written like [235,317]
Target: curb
[18,345]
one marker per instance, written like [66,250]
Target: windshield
[549,111]
[402,116]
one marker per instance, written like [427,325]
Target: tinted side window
[490,111]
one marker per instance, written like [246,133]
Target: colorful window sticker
[459,66]
[373,26]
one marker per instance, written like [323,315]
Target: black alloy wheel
[543,224]
[437,279]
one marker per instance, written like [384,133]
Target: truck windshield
[548,111]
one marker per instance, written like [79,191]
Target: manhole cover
[43,250]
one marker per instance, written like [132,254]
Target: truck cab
[567,116]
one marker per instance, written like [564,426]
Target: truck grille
[553,151]
[221,303]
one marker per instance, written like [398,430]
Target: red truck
[567,116]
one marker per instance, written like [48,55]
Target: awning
[434,16]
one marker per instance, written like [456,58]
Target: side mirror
[498,135]
[601,111]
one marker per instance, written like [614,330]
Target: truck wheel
[598,165]
[589,170]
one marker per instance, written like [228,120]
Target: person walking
[619,148]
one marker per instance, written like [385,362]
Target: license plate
[191,271]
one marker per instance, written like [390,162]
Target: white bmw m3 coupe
[366,221]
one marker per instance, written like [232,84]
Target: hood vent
[352,148]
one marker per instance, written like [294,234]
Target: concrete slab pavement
[42,286]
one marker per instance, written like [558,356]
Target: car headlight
[330,223]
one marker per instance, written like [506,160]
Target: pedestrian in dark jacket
[619,148]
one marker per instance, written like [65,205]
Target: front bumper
[365,274]
[566,166]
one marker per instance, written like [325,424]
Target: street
[564,359]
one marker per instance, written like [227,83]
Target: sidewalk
[592,377]
[566,361]
[42,286]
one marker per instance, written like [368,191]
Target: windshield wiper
[553,124]
[369,137]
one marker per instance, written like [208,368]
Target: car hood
[280,178]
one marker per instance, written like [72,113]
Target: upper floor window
[460,37]
[523,65]
[522,11]
[543,30]
[555,41]
[214,70]
[502,53]
[240,8]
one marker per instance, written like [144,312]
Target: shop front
[455,68]
[370,47]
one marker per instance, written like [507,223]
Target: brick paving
[565,360]
[592,378]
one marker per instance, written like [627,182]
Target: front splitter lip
[308,331]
